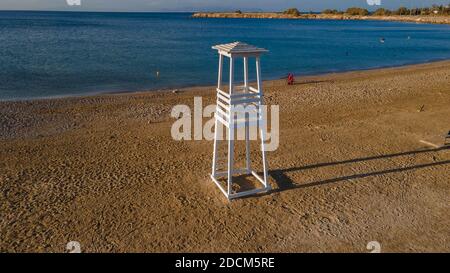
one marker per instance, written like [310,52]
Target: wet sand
[350,169]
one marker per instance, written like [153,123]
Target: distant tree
[292,11]
[382,12]
[414,11]
[238,11]
[357,11]
[441,10]
[402,11]
[425,11]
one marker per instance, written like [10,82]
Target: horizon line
[193,11]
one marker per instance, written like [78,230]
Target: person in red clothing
[290,79]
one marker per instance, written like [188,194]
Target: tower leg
[230,157]
[262,121]
[247,126]
[216,129]
[263,150]
[247,146]
[231,131]
[216,143]
[219,78]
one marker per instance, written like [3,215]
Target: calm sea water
[56,54]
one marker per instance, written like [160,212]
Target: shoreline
[443,20]
[182,88]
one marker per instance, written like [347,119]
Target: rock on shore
[277,15]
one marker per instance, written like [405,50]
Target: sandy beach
[353,166]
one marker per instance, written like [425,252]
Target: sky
[206,5]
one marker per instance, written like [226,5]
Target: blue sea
[46,54]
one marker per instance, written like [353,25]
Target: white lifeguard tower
[229,113]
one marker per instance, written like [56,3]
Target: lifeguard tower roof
[239,48]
